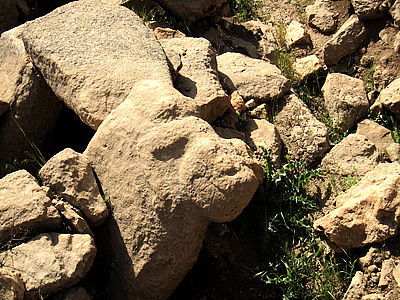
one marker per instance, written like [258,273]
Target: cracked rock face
[168,174]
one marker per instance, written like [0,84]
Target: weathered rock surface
[308,65]
[261,133]
[389,97]
[379,135]
[167,33]
[371,9]
[356,288]
[196,9]
[69,175]
[396,44]
[25,208]
[72,217]
[105,49]
[237,102]
[355,155]
[51,262]
[252,78]
[24,93]
[296,34]
[198,76]
[369,212]
[321,16]
[304,136]
[395,12]
[345,99]
[386,272]
[168,175]
[345,41]
[11,285]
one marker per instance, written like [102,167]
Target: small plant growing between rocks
[304,269]
[243,9]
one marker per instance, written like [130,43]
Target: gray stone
[320,15]
[105,49]
[25,208]
[345,41]
[371,9]
[296,34]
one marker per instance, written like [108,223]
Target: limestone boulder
[296,34]
[377,134]
[23,94]
[168,174]
[321,16]
[69,175]
[355,155]
[395,12]
[262,134]
[371,9]
[345,41]
[11,285]
[105,49]
[308,65]
[369,212]
[389,97]
[198,76]
[303,135]
[252,78]
[25,208]
[51,262]
[196,9]
[345,99]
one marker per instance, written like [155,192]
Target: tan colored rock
[356,288]
[196,9]
[167,33]
[69,175]
[355,155]
[73,218]
[396,44]
[296,34]
[395,12]
[304,136]
[51,262]
[252,78]
[377,134]
[237,102]
[261,133]
[371,9]
[25,208]
[198,76]
[105,49]
[396,274]
[393,152]
[386,272]
[168,175]
[321,16]
[373,297]
[345,99]
[25,94]
[11,285]
[389,97]
[308,65]
[345,41]
[369,212]
[75,293]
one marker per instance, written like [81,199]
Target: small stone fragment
[386,272]
[389,97]
[250,104]
[308,65]
[237,102]
[73,218]
[320,16]
[69,175]
[296,34]
[167,33]
[345,41]
[345,99]
[252,78]
[396,274]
